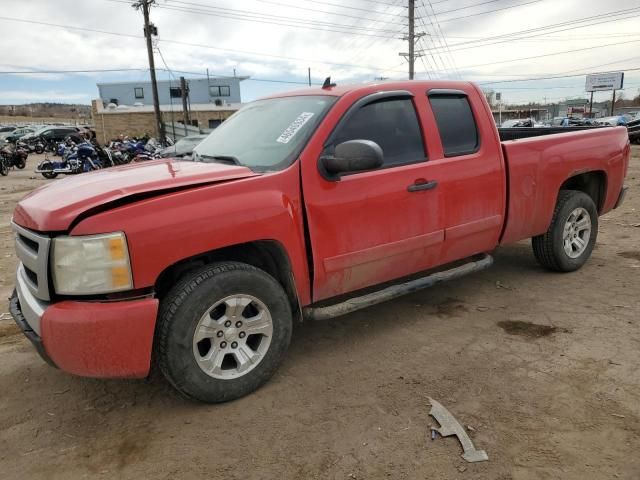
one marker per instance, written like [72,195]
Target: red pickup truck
[306,204]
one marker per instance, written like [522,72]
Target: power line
[343,15]
[371,68]
[60,72]
[550,54]
[444,39]
[490,11]
[468,6]
[355,8]
[632,69]
[512,36]
[295,22]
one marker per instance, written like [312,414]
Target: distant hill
[51,110]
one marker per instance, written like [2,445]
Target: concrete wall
[199,91]
[110,124]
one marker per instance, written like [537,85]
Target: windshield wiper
[222,158]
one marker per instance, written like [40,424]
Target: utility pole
[149,30]
[412,34]
[309,72]
[613,102]
[184,92]
[412,38]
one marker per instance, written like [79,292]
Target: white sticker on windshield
[296,125]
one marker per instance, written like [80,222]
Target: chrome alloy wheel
[577,232]
[232,337]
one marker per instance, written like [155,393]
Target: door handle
[416,187]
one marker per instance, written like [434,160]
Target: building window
[139,92]
[219,91]
[214,123]
[175,92]
[114,101]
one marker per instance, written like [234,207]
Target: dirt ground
[543,367]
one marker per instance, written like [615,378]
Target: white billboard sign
[604,81]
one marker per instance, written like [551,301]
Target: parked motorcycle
[79,159]
[14,156]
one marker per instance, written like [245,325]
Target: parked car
[17,134]
[183,147]
[296,204]
[617,120]
[522,122]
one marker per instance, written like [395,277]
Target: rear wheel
[571,237]
[223,331]
[47,165]
[20,163]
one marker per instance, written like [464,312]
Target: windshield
[266,134]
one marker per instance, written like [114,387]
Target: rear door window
[392,124]
[456,124]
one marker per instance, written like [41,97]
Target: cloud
[264,49]
[28,96]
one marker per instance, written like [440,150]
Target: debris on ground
[450,426]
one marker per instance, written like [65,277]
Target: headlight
[91,264]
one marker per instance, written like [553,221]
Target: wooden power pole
[184,92]
[149,30]
[412,38]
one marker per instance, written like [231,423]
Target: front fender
[174,226]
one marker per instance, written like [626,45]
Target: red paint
[52,207]
[363,230]
[104,340]
[538,166]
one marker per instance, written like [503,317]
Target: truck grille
[32,250]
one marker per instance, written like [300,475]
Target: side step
[395,291]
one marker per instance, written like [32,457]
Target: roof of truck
[340,90]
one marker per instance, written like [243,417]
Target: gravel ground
[543,367]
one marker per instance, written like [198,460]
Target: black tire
[549,248]
[20,163]
[4,168]
[186,304]
[39,149]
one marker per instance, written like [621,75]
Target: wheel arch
[267,255]
[593,183]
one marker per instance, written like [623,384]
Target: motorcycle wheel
[4,168]
[20,163]
[39,149]
[48,175]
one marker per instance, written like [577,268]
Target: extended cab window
[457,127]
[392,124]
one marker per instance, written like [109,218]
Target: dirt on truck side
[541,368]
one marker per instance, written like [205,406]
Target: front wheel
[39,149]
[20,163]
[223,331]
[571,237]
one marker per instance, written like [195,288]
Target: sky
[497,43]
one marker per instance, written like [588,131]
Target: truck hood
[53,207]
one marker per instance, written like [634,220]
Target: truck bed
[537,167]
[517,133]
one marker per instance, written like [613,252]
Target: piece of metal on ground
[450,426]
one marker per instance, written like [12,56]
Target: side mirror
[353,156]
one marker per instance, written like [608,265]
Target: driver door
[370,227]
